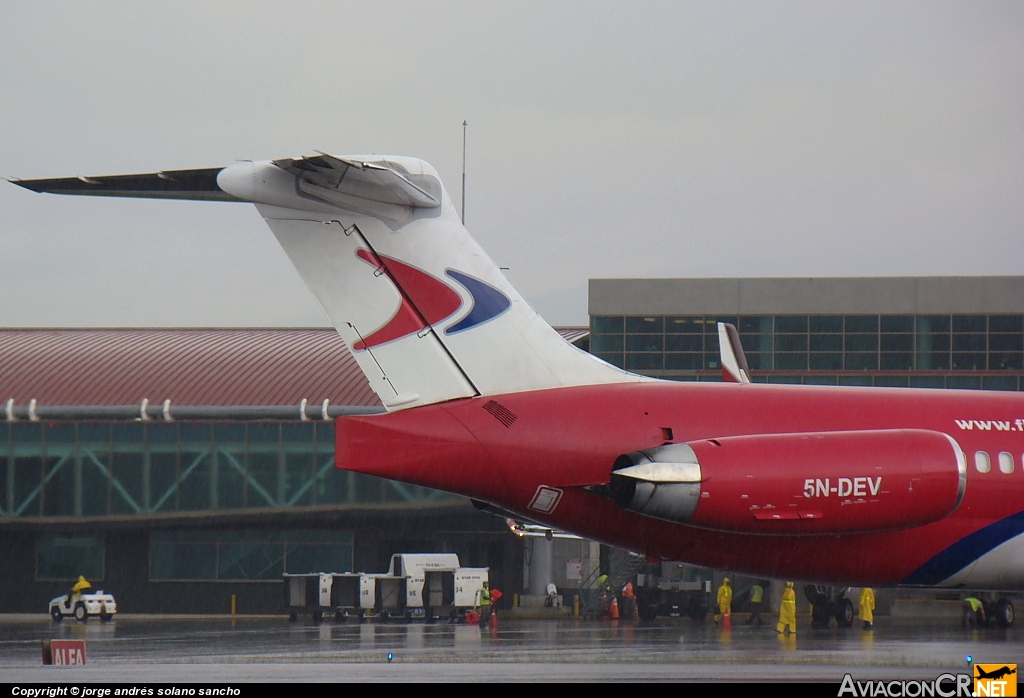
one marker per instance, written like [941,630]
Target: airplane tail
[427,314]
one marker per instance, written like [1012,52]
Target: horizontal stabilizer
[172,184]
[381,181]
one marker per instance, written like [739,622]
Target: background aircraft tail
[426,313]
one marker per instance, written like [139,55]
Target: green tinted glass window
[645,325]
[790,362]
[896,361]
[66,556]
[892,381]
[963,382]
[790,323]
[790,342]
[861,362]
[606,325]
[934,324]
[970,361]
[196,471]
[684,325]
[861,323]
[756,324]
[826,324]
[1005,361]
[819,380]
[684,362]
[230,474]
[897,342]
[826,342]
[163,479]
[861,343]
[644,342]
[826,362]
[970,323]
[684,342]
[59,488]
[969,342]
[897,323]
[606,342]
[126,488]
[644,362]
[1006,323]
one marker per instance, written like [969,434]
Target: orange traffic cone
[727,620]
[614,607]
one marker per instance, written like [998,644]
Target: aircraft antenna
[464,172]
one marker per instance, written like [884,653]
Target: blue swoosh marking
[967,550]
[488,302]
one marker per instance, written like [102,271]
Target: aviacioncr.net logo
[995,680]
[943,686]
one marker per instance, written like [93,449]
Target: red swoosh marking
[434,299]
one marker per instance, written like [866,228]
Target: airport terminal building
[927,332]
[177,512]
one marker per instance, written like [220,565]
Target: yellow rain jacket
[787,611]
[724,600]
[867,605]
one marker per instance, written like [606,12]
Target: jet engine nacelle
[813,483]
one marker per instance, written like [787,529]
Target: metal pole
[463,173]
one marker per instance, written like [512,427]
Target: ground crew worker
[867,607]
[628,601]
[81,585]
[787,611]
[724,600]
[756,599]
[484,602]
[974,610]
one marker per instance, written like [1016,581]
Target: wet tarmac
[224,649]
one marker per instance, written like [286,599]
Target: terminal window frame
[815,342]
[97,469]
[63,557]
[246,555]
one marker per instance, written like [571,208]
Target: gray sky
[606,140]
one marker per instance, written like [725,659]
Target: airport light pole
[464,172]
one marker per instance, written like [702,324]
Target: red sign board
[64,652]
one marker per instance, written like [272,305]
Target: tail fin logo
[429,301]
[488,302]
[426,300]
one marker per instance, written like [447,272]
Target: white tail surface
[426,313]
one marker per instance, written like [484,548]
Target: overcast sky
[605,140]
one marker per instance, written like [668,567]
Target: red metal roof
[249,366]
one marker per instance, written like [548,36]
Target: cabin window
[1006,462]
[982,462]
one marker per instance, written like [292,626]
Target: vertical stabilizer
[426,313]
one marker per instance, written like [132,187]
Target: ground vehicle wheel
[844,613]
[1004,613]
[318,616]
[56,614]
[80,613]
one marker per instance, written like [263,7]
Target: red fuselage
[502,449]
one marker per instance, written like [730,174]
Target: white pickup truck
[81,606]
